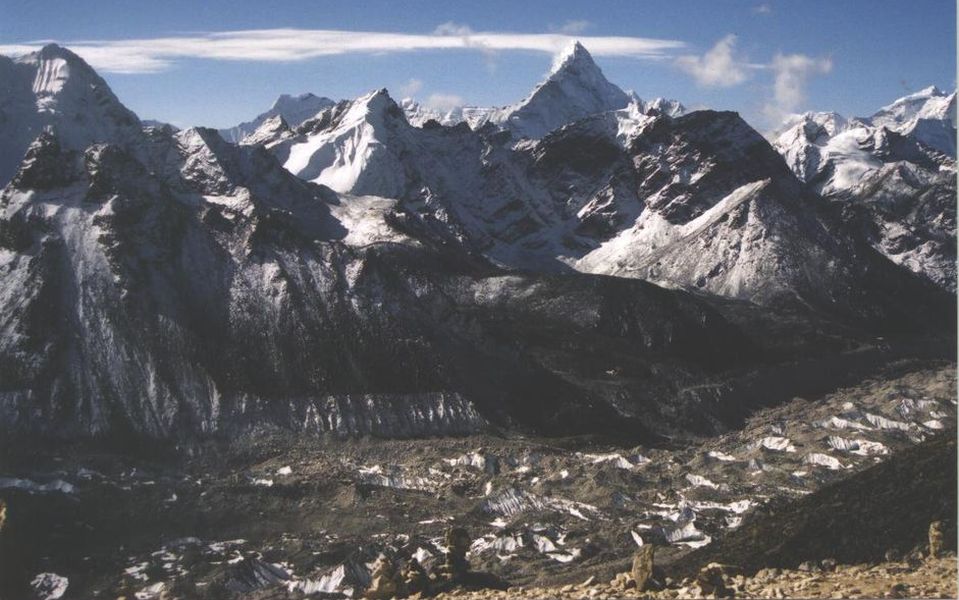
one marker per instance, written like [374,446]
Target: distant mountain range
[366,267]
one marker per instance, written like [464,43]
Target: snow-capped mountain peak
[64,84]
[54,89]
[574,57]
[54,67]
[287,103]
[575,88]
[811,141]
[378,101]
[293,109]
[271,130]
[801,136]
[347,147]
[928,115]
[912,104]
[665,106]
[904,150]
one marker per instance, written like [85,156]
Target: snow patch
[617,460]
[823,460]
[56,485]
[857,446]
[49,586]
[776,444]
[721,456]
[700,481]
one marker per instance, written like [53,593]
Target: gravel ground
[931,578]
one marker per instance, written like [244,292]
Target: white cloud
[718,67]
[574,27]
[444,102]
[792,73]
[287,45]
[451,28]
[410,88]
[763,9]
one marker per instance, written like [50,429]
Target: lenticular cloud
[287,45]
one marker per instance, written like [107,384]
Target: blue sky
[170,60]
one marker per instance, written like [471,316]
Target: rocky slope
[895,501]
[930,578]
[209,286]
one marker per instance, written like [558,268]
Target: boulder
[414,577]
[383,585]
[712,580]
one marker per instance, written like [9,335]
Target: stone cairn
[643,566]
[456,565]
[389,582]
[935,539]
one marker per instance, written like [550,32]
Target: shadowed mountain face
[170,283]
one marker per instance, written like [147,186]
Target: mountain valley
[247,362]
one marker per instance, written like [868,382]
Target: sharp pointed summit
[573,55]
[575,88]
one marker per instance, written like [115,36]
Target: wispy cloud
[469,39]
[411,87]
[763,9]
[288,45]
[573,27]
[791,74]
[444,102]
[720,66]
